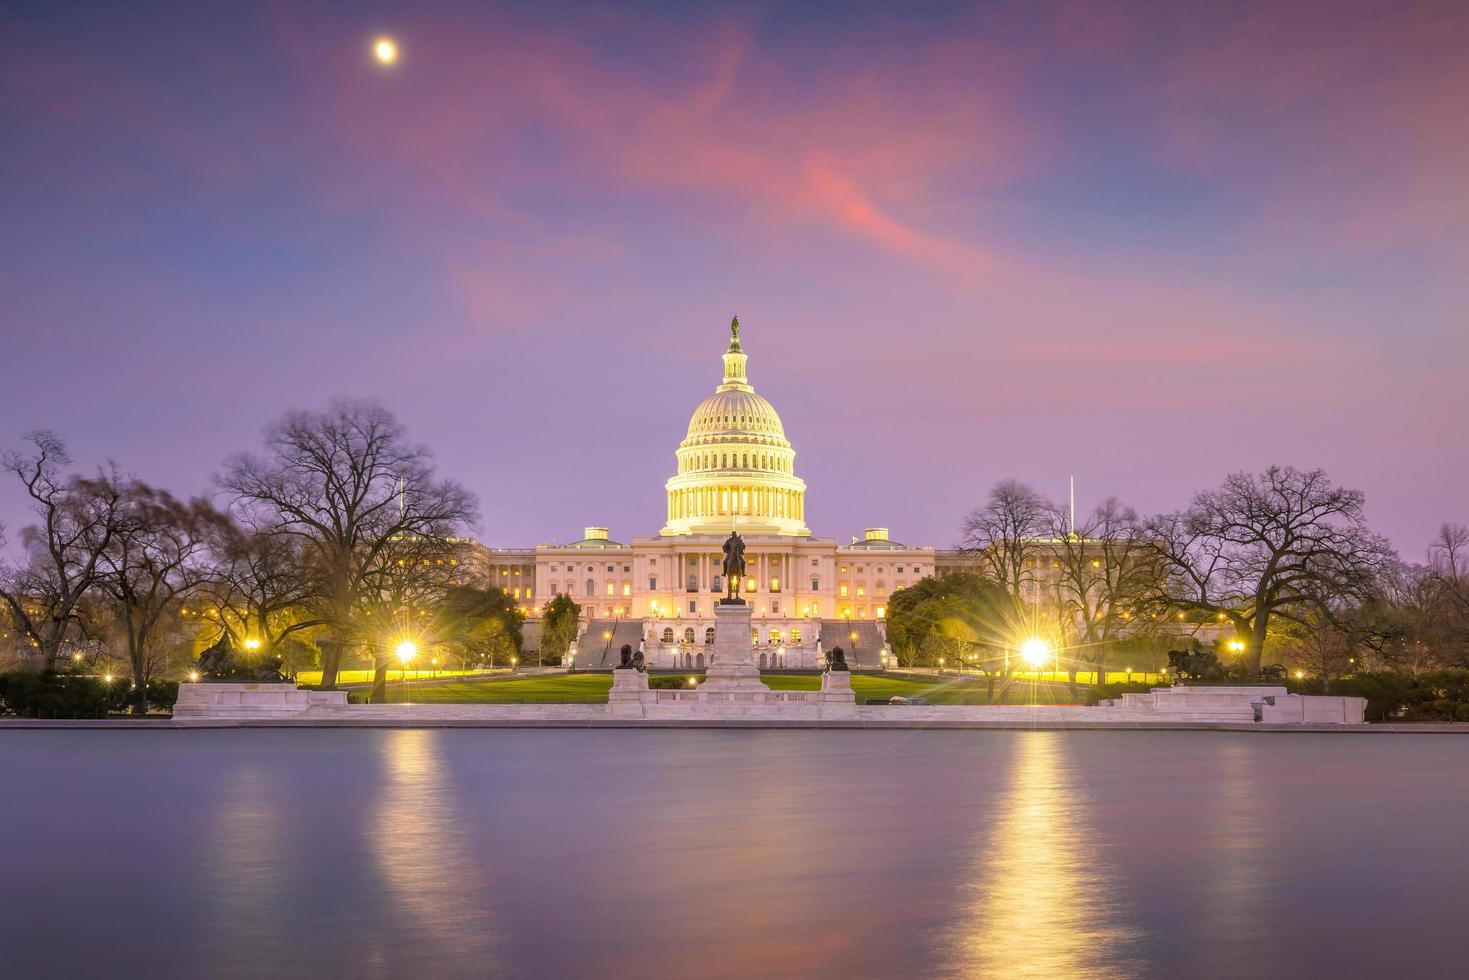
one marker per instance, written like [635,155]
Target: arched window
[795,634]
[554,587]
[709,636]
[775,636]
[716,583]
[754,635]
[591,587]
[688,635]
[668,634]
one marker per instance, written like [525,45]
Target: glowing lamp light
[1035,651]
[406,651]
[385,50]
[107,678]
[693,682]
[252,644]
[193,675]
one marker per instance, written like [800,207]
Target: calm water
[709,854]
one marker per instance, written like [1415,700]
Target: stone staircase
[592,643]
[864,652]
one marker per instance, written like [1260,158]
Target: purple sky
[1143,244]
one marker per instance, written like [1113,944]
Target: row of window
[773,636]
[737,461]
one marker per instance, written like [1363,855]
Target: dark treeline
[1277,567]
[338,540]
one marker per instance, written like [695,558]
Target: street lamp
[406,651]
[1035,651]
[252,644]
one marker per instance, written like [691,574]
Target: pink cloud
[1352,116]
[861,148]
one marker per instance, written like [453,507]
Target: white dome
[735,467]
[736,411]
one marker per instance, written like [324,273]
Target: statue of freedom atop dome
[734,565]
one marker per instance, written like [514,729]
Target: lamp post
[406,651]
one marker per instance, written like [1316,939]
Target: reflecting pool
[422,853]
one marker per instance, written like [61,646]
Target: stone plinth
[733,667]
[1313,709]
[206,700]
[629,691]
[837,698]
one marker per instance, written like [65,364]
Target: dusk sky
[1144,244]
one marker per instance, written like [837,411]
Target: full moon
[385,49]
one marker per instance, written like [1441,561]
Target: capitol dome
[735,468]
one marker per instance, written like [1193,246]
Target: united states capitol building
[735,471]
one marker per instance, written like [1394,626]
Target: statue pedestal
[629,690]
[837,699]
[733,667]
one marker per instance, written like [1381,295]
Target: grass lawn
[365,676]
[552,689]
[574,688]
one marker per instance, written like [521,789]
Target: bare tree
[1321,647]
[262,590]
[1003,534]
[347,484]
[76,521]
[1282,544]
[1107,571]
[405,587]
[1448,557]
[157,557]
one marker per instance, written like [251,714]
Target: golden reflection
[244,844]
[1234,877]
[1044,904]
[438,900]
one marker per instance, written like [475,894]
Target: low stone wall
[631,697]
[1313,709]
[204,700]
[1272,705]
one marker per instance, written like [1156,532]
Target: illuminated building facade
[735,470]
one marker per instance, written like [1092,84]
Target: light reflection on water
[417,828]
[1044,903]
[729,854]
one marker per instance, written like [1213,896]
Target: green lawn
[365,676]
[552,688]
[573,688]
